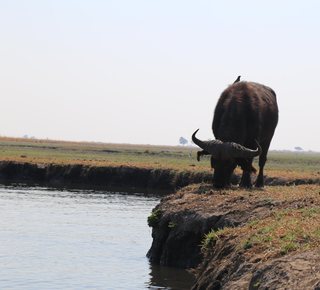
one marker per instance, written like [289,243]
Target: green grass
[211,238]
[122,153]
[302,161]
[154,218]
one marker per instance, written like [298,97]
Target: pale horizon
[142,72]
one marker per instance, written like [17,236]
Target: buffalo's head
[225,156]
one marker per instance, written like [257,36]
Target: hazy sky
[149,72]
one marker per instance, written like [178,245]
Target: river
[79,239]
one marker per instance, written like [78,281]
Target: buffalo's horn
[226,150]
[213,147]
[239,151]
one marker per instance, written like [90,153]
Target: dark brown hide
[245,112]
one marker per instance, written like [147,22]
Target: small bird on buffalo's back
[237,80]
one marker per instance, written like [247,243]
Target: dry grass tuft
[293,223]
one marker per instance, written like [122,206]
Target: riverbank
[227,223]
[134,175]
[241,239]
[112,175]
[243,244]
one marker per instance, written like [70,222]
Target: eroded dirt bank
[126,176]
[184,218]
[123,175]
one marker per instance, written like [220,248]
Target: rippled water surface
[75,239]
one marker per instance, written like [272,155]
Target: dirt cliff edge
[184,218]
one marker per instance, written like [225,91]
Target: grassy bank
[241,238]
[96,163]
[166,167]
[59,152]
[292,224]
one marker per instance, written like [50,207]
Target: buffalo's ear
[200,153]
[246,165]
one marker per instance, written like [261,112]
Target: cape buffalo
[245,118]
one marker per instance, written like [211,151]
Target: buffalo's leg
[262,162]
[246,174]
[246,179]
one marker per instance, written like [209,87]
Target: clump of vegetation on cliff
[211,239]
[154,218]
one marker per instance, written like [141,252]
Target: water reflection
[170,278]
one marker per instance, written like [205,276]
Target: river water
[79,239]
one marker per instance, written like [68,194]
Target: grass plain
[61,152]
